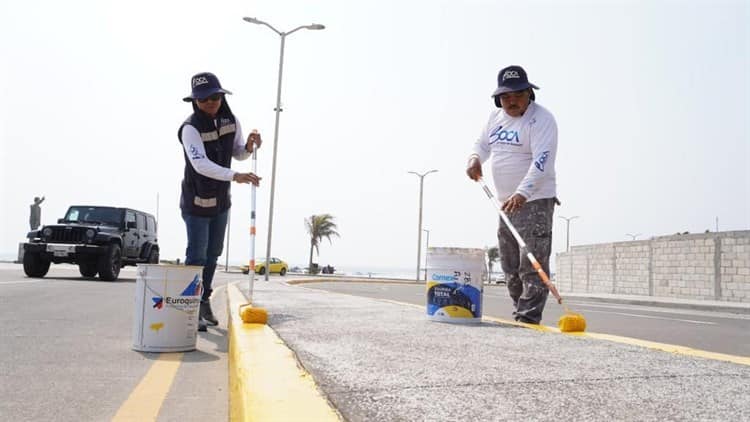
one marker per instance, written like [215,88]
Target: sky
[651,98]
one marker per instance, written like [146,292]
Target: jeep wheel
[262,270]
[34,265]
[153,257]
[87,268]
[110,263]
[282,272]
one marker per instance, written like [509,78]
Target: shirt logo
[539,163]
[510,74]
[504,136]
[199,81]
[194,154]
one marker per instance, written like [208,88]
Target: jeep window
[129,218]
[141,221]
[96,215]
[151,224]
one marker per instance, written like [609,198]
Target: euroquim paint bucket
[167,298]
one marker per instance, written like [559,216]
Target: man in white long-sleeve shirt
[521,139]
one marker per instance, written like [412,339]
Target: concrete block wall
[633,266]
[710,266]
[735,269]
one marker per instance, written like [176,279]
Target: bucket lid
[455,251]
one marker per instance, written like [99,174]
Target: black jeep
[99,239]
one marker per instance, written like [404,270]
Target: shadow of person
[194,356]
[217,336]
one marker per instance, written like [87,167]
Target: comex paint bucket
[167,299]
[454,284]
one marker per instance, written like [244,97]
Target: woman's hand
[253,140]
[246,178]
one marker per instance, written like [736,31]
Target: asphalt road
[711,331]
[65,351]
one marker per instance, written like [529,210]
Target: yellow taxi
[277,266]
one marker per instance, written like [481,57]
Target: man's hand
[253,138]
[514,203]
[246,178]
[474,168]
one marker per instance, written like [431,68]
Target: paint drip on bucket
[454,284]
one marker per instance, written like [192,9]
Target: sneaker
[202,326]
[207,315]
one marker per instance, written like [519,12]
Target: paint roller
[248,312]
[570,321]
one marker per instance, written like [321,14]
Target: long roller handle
[521,243]
[252,222]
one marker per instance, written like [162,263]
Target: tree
[318,227]
[493,254]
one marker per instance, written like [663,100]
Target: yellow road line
[671,348]
[147,397]
[266,383]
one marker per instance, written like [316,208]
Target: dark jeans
[534,223]
[205,236]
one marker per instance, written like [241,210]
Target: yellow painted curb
[266,383]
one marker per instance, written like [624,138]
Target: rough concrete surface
[378,360]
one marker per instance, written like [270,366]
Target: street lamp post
[426,247]
[633,236]
[278,110]
[567,231]
[419,227]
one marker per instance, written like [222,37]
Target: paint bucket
[454,284]
[167,299]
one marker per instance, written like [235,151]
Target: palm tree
[318,227]
[493,254]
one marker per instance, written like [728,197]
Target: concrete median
[266,381]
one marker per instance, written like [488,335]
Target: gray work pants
[534,223]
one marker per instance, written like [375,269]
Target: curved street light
[633,236]
[567,230]
[283,35]
[419,227]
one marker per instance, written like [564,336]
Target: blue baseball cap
[204,85]
[512,78]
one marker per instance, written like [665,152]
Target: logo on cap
[510,74]
[199,81]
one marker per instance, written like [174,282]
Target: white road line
[20,281]
[652,317]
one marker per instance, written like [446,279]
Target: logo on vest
[199,81]
[510,74]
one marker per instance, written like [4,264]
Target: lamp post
[419,227]
[278,110]
[567,231]
[633,236]
[426,247]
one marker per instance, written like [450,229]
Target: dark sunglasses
[214,97]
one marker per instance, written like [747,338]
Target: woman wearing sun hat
[210,137]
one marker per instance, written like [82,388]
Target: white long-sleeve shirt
[196,153]
[523,151]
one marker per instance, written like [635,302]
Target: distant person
[210,136]
[35,217]
[521,138]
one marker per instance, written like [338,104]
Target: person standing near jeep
[210,137]
[521,137]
